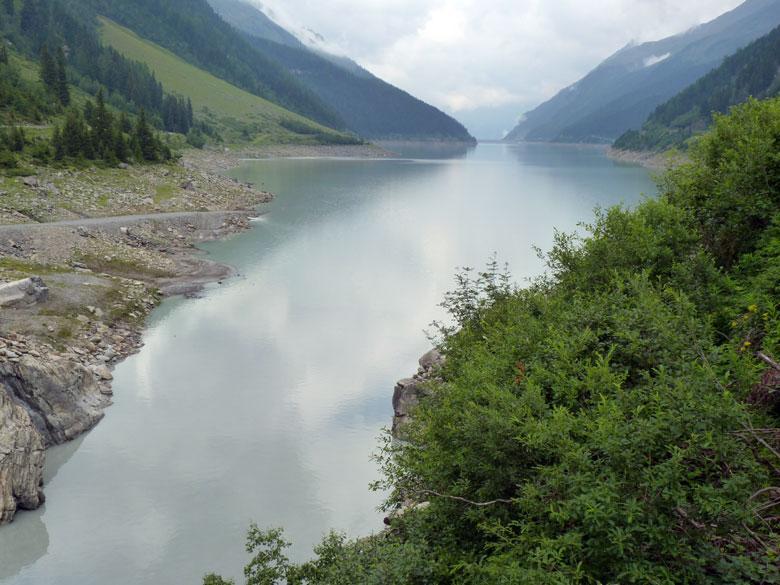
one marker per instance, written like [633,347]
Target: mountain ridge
[369,106]
[754,71]
[624,89]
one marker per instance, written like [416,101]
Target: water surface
[263,400]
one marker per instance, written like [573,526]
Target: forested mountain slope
[237,114]
[752,72]
[621,92]
[193,31]
[369,106]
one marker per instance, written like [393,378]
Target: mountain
[92,53]
[233,112]
[193,31]
[250,20]
[621,92]
[752,72]
[369,106]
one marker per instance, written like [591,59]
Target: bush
[601,425]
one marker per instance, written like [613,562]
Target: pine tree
[58,144]
[48,70]
[102,129]
[74,136]
[124,123]
[146,145]
[120,144]
[10,9]
[61,82]
[17,139]
[3,53]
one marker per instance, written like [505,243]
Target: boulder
[102,371]
[409,391]
[431,360]
[28,291]
[62,397]
[21,460]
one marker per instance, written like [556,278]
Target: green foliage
[99,135]
[732,185]
[45,27]
[605,424]
[751,72]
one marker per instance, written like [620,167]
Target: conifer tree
[102,131]
[10,9]
[146,146]
[57,144]
[61,82]
[74,135]
[48,70]
[17,139]
[3,53]
[124,123]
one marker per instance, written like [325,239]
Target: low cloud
[466,55]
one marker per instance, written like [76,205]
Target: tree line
[69,48]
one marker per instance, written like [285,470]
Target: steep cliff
[44,401]
[21,459]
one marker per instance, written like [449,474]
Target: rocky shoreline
[102,277]
[657,161]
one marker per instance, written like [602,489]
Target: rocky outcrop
[44,401]
[409,391]
[21,459]
[61,396]
[23,292]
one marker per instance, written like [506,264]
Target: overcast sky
[487,61]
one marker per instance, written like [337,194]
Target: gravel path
[116,221]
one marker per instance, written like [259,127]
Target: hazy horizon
[485,63]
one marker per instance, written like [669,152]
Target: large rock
[21,459]
[409,391]
[62,397]
[23,292]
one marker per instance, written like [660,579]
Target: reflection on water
[263,400]
[26,540]
[428,150]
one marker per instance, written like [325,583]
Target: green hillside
[751,72]
[237,114]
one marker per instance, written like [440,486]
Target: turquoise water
[263,400]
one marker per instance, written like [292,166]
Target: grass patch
[212,98]
[163,193]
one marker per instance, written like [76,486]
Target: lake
[262,401]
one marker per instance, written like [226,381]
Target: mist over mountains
[621,92]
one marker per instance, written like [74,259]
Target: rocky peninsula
[85,255]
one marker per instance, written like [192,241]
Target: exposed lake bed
[262,401]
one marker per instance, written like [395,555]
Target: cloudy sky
[488,61]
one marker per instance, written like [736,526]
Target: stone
[432,359]
[102,372]
[30,181]
[62,397]
[82,231]
[25,292]
[123,166]
[409,391]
